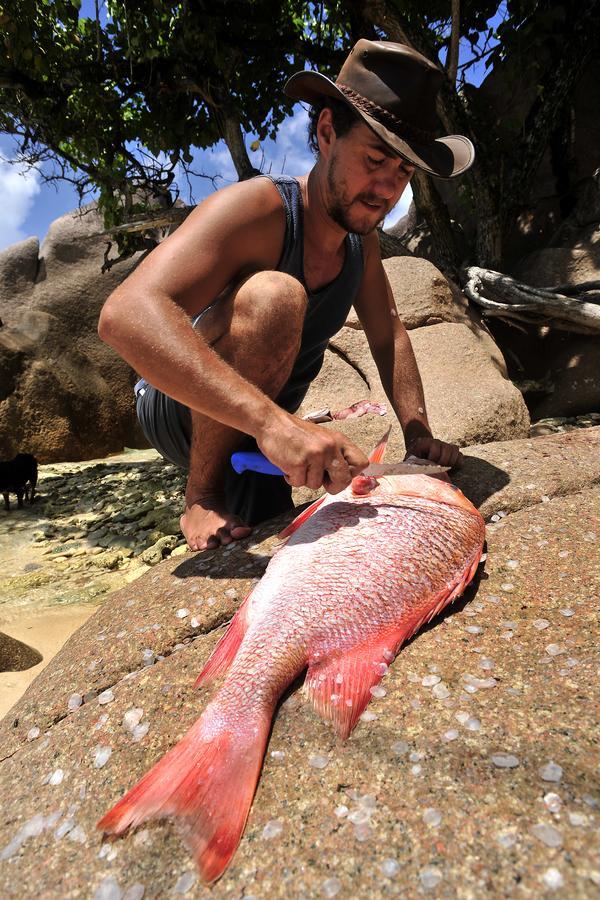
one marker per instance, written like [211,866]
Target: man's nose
[388,184]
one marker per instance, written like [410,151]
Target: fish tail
[206,782]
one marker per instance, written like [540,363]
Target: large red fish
[361,572]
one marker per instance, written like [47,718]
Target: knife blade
[255,461]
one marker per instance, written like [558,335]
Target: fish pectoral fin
[225,651]
[301,519]
[339,687]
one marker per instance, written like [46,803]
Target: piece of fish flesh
[361,408]
[361,572]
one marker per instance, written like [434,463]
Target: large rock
[19,266]
[560,265]
[575,380]
[64,395]
[15,655]
[468,396]
[422,294]
[528,623]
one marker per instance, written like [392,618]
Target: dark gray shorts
[167,425]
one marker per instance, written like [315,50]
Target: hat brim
[444,157]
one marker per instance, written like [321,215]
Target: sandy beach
[46,630]
[49,589]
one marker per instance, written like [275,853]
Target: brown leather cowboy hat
[393,89]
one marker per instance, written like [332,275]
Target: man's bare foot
[206,524]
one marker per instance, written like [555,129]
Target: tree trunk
[452,61]
[456,119]
[231,132]
[390,245]
[435,212]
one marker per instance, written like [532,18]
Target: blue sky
[29,205]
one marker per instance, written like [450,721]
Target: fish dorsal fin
[377,454]
[339,687]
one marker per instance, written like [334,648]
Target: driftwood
[389,244]
[566,307]
[163,219]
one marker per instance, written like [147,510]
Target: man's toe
[224,534]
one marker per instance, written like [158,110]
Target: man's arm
[235,232]
[395,360]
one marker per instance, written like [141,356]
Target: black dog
[18,476]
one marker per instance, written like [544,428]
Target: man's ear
[325,132]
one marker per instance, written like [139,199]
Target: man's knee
[274,301]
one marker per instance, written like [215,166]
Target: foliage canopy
[119,100]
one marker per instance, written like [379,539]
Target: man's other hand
[435,451]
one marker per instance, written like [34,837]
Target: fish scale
[396,540]
[360,573]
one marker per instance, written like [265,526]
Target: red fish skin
[349,587]
[317,600]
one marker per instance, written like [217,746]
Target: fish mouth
[363,484]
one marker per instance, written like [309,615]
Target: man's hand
[435,451]
[310,455]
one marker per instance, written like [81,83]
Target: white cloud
[219,162]
[18,189]
[290,152]
[400,209]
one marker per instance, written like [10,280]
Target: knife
[255,461]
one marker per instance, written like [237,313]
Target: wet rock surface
[90,529]
[475,774]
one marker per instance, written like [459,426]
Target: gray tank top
[327,308]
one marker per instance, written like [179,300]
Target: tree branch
[506,298]
[452,61]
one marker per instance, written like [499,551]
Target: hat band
[384,116]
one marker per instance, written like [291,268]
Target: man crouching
[227,321]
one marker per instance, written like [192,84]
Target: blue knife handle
[255,462]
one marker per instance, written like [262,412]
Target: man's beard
[340,211]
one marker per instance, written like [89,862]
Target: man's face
[365,180]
